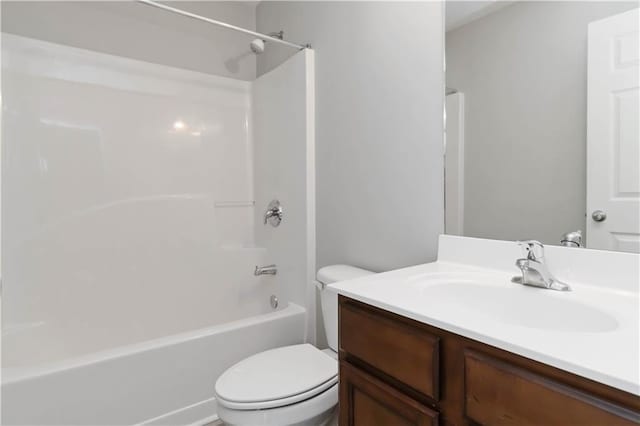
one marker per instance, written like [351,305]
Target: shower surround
[133,197]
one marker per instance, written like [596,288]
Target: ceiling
[459,13]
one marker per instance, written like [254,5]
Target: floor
[332,422]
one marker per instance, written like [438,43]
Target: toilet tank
[329,299]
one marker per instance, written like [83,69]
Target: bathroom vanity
[454,343]
[396,371]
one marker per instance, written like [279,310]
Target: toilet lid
[277,377]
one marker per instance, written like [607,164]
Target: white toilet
[292,385]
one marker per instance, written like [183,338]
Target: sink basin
[512,304]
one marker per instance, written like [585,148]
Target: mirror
[542,133]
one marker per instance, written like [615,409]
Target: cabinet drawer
[499,393]
[398,349]
[366,401]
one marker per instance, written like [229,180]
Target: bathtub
[167,380]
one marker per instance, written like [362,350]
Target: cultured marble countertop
[592,331]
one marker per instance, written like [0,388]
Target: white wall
[379,140]
[523,72]
[103,197]
[284,169]
[131,29]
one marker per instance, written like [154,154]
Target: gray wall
[523,72]
[379,142]
[133,30]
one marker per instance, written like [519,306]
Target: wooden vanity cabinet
[397,371]
[371,401]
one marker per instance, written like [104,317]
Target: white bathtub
[168,380]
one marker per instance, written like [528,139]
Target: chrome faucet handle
[532,249]
[274,213]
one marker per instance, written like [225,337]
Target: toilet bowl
[291,385]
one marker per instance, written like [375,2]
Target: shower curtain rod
[220,23]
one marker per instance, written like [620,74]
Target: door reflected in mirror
[542,122]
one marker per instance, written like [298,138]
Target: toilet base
[333,420]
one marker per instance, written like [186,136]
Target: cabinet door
[498,393]
[366,401]
[397,348]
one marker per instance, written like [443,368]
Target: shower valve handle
[274,213]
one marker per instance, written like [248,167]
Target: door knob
[599,216]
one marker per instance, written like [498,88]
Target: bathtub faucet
[265,270]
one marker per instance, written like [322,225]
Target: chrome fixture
[599,216]
[264,37]
[257,44]
[265,270]
[534,271]
[274,301]
[572,239]
[277,34]
[274,213]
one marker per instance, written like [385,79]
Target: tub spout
[265,270]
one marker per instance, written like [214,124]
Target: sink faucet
[572,239]
[534,270]
[265,270]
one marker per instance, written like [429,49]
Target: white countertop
[591,331]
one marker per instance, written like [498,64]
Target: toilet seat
[277,378]
[313,411]
[276,403]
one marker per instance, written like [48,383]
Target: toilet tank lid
[334,273]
